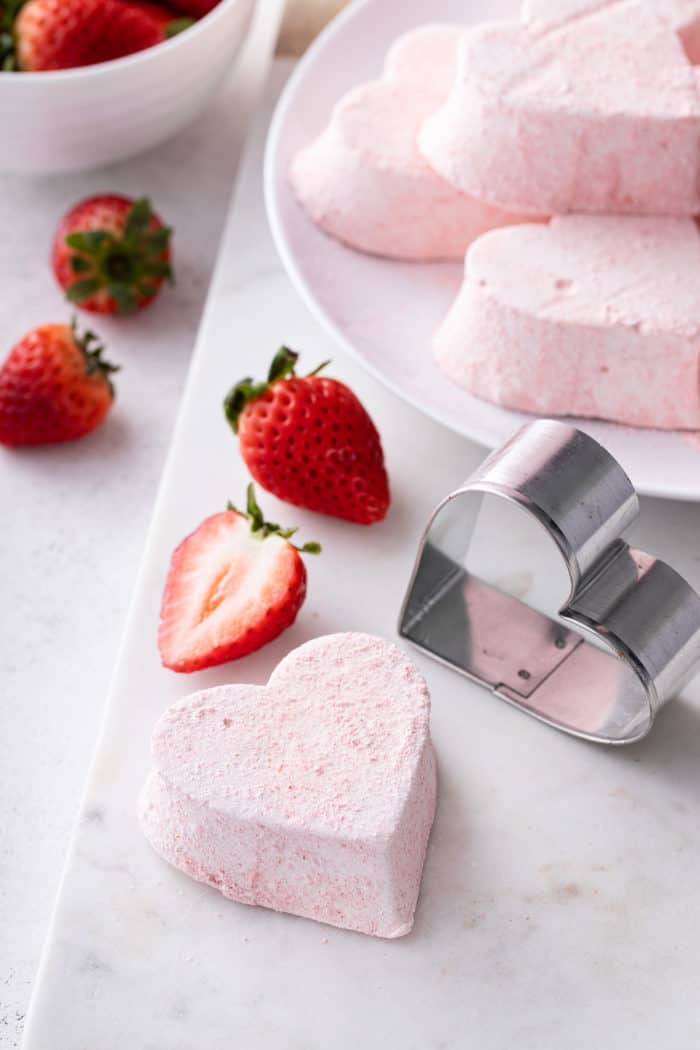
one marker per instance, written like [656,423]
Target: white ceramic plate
[385,312]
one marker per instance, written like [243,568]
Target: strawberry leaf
[138,219]
[9,9]
[310,548]
[177,25]
[79,291]
[7,52]
[262,529]
[124,298]
[282,364]
[157,240]
[79,264]
[92,350]
[90,241]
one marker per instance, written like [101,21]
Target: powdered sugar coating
[594,316]
[682,15]
[599,112]
[364,180]
[314,795]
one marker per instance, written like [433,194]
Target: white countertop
[75,515]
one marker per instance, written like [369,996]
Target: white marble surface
[75,516]
[559,909]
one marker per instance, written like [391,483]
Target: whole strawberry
[54,386]
[308,440]
[234,584]
[194,8]
[111,254]
[66,34]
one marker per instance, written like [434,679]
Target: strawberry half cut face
[234,584]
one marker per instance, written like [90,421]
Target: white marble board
[560,905]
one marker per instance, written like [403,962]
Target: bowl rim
[126,61]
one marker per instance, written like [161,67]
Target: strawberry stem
[262,529]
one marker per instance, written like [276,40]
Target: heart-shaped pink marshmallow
[589,315]
[364,180]
[597,111]
[313,795]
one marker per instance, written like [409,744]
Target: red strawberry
[234,584]
[64,34]
[194,8]
[308,440]
[111,254]
[54,386]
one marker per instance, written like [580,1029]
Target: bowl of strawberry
[84,83]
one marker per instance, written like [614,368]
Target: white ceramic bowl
[76,119]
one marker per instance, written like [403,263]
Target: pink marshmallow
[314,795]
[598,113]
[364,180]
[683,16]
[592,316]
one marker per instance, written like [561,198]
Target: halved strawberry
[234,584]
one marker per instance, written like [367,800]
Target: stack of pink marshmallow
[587,111]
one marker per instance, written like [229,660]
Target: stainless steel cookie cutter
[625,640]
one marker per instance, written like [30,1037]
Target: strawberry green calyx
[261,529]
[178,25]
[130,267]
[92,349]
[247,390]
[7,52]
[9,9]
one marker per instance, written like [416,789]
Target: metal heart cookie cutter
[483,597]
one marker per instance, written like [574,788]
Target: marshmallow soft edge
[313,795]
[590,316]
[685,15]
[365,182]
[595,112]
